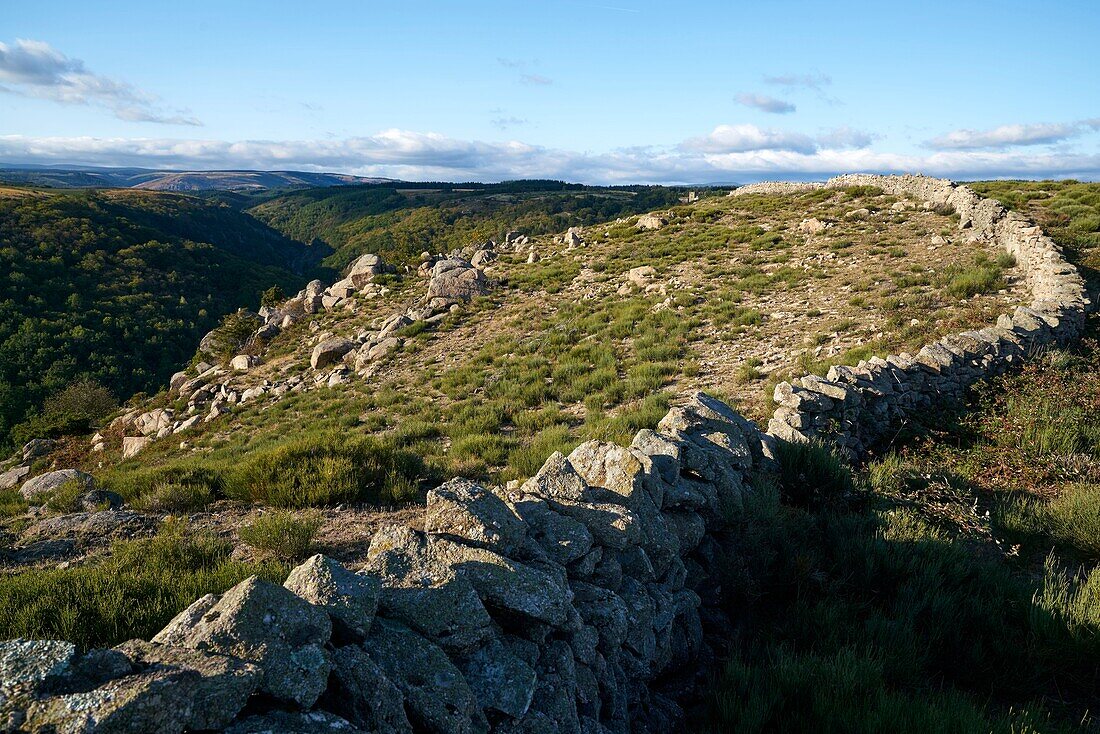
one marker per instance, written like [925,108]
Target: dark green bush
[76,409]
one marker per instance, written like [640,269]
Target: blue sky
[608,91]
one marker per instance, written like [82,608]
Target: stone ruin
[584,600]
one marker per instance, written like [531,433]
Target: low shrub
[133,484]
[65,499]
[283,534]
[175,497]
[812,474]
[328,469]
[11,503]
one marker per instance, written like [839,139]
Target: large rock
[424,594]
[43,484]
[330,351]
[360,692]
[163,689]
[14,477]
[505,585]
[26,666]
[295,722]
[244,362]
[266,624]
[133,445]
[437,697]
[363,270]
[500,681]
[36,447]
[557,480]
[562,538]
[652,221]
[467,511]
[350,599]
[456,280]
[151,423]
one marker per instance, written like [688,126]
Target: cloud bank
[35,69]
[740,153]
[1007,136]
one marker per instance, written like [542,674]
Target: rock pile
[573,602]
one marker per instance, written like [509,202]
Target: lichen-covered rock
[499,680]
[504,584]
[295,722]
[43,484]
[26,666]
[557,480]
[468,512]
[350,599]
[437,696]
[264,623]
[425,594]
[562,538]
[181,625]
[612,525]
[166,690]
[361,693]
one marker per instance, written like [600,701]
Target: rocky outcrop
[856,406]
[454,280]
[571,603]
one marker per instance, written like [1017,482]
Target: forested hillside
[118,286]
[402,220]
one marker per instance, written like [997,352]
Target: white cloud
[742,138]
[806,81]
[764,103]
[728,153]
[35,69]
[505,122]
[537,80]
[1007,136]
[845,137]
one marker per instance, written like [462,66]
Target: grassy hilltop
[950,583]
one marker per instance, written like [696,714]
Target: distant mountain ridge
[174,180]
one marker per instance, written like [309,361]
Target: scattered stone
[330,351]
[132,445]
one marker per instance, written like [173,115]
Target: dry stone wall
[580,601]
[857,406]
[576,602]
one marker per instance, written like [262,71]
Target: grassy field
[575,347]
